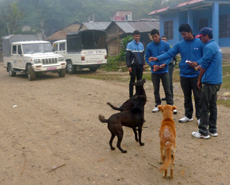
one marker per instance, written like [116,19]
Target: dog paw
[142,144]
[112,148]
[124,151]
[160,162]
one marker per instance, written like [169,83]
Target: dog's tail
[102,119]
[168,156]
[113,107]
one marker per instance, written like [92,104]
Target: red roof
[177,6]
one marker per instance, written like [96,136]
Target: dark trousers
[188,86]
[170,68]
[137,72]
[208,109]
[166,85]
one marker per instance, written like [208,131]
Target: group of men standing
[200,73]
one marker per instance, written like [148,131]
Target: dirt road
[50,134]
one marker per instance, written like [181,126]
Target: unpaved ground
[53,136]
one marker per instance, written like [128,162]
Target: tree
[12,16]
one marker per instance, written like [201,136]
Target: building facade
[198,14]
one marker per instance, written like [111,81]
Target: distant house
[94,25]
[61,33]
[122,15]
[198,14]
[74,27]
[118,30]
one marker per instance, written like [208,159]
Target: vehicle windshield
[36,48]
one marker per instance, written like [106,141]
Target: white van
[83,49]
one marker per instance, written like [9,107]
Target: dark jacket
[135,54]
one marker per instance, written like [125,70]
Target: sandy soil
[50,134]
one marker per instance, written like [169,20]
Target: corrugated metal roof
[96,25]
[142,26]
[177,6]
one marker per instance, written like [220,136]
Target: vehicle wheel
[31,74]
[62,72]
[93,69]
[70,68]
[10,70]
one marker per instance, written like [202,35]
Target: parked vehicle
[83,49]
[27,54]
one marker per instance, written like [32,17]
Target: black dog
[132,118]
[128,105]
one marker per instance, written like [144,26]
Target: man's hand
[143,67]
[152,59]
[156,68]
[199,67]
[192,64]
[130,69]
[162,66]
[199,84]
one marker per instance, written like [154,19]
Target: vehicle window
[36,48]
[62,46]
[19,49]
[14,49]
[55,47]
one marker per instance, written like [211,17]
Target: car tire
[61,72]
[31,74]
[11,70]
[70,68]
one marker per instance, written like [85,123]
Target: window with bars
[224,26]
[168,29]
[203,23]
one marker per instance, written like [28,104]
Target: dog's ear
[160,107]
[173,107]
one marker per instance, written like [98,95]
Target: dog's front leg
[139,132]
[135,132]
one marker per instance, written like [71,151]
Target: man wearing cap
[210,80]
[190,48]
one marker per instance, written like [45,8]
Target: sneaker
[175,111]
[199,135]
[163,99]
[198,122]
[155,109]
[214,134]
[185,119]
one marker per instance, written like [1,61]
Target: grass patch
[224,102]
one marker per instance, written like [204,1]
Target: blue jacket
[154,49]
[135,54]
[189,50]
[212,63]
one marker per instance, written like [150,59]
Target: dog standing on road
[128,105]
[167,136]
[132,118]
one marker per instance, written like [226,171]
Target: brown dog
[132,118]
[128,105]
[167,136]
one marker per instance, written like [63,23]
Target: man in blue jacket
[210,80]
[159,69]
[135,60]
[190,48]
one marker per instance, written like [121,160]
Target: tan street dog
[167,136]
